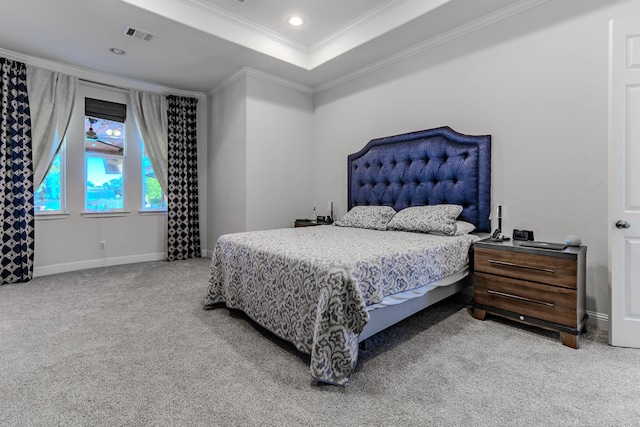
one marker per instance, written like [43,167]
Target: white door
[624,182]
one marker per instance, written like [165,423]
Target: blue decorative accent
[16,175]
[428,167]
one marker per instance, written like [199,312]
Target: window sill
[151,212]
[105,214]
[49,216]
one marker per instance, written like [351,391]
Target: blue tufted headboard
[428,167]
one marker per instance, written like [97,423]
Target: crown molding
[248,71]
[228,82]
[277,80]
[227,26]
[361,20]
[212,19]
[388,17]
[475,25]
[248,25]
[96,77]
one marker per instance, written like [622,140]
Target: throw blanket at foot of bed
[311,285]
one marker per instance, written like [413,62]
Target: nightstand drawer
[545,302]
[536,268]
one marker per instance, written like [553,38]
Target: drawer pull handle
[502,294]
[510,264]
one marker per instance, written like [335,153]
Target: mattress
[404,296]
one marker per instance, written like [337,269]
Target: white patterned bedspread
[311,285]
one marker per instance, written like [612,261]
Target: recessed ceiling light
[296,21]
[117,51]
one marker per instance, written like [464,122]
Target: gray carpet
[131,345]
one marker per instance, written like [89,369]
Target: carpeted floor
[131,345]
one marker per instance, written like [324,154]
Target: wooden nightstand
[539,287]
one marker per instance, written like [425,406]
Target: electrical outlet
[103,244]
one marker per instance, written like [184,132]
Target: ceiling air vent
[139,34]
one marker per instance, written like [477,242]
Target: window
[49,197]
[153,198]
[104,149]
[99,156]
[104,162]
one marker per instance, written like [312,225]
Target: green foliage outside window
[48,195]
[153,194]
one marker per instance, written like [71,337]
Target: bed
[328,288]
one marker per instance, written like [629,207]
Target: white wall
[227,161]
[261,133]
[279,179]
[537,83]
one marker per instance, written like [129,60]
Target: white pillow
[371,217]
[440,218]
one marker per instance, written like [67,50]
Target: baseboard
[598,320]
[46,270]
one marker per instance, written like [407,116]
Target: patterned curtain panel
[184,227]
[16,175]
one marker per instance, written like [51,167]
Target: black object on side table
[309,223]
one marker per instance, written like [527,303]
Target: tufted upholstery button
[389,177]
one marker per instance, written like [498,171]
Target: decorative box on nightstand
[540,287]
